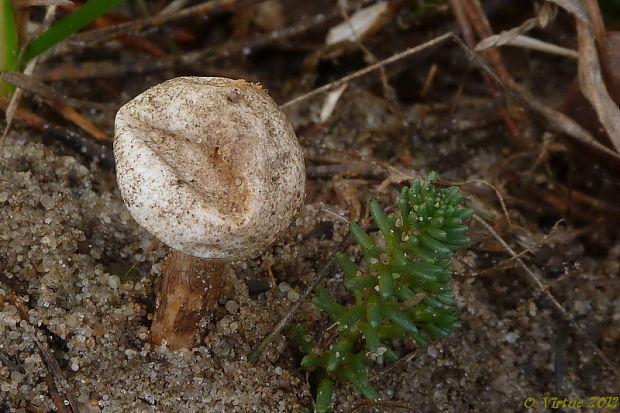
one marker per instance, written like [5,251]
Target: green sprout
[10,58]
[403,289]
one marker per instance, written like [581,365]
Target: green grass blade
[9,46]
[67,26]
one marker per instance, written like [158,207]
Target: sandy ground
[86,274]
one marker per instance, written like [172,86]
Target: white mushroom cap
[209,165]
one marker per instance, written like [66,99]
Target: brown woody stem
[189,290]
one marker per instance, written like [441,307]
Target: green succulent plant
[403,288]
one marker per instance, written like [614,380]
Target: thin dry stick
[343,11]
[6,360]
[32,85]
[557,120]
[545,291]
[14,102]
[64,71]
[84,145]
[57,384]
[72,115]
[510,262]
[463,22]
[515,119]
[504,265]
[173,7]
[59,380]
[399,56]
[368,69]
[384,403]
[93,37]
[406,53]
[500,198]
[96,36]
[291,313]
[408,357]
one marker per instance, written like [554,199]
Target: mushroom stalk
[189,291]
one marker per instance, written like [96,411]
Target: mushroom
[212,168]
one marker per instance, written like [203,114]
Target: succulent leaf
[324,393]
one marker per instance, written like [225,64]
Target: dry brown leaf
[507,36]
[34,86]
[396,176]
[270,15]
[173,7]
[591,79]
[266,16]
[535,44]
[564,124]
[612,43]
[593,85]
[9,113]
[330,103]
[515,118]
[545,15]
[86,146]
[361,24]
[531,43]
[79,120]
[573,7]
[607,45]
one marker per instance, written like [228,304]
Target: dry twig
[591,79]
[84,146]
[93,37]
[87,70]
[38,88]
[394,58]
[58,383]
[281,325]
[379,403]
[544,290]
[471,19]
